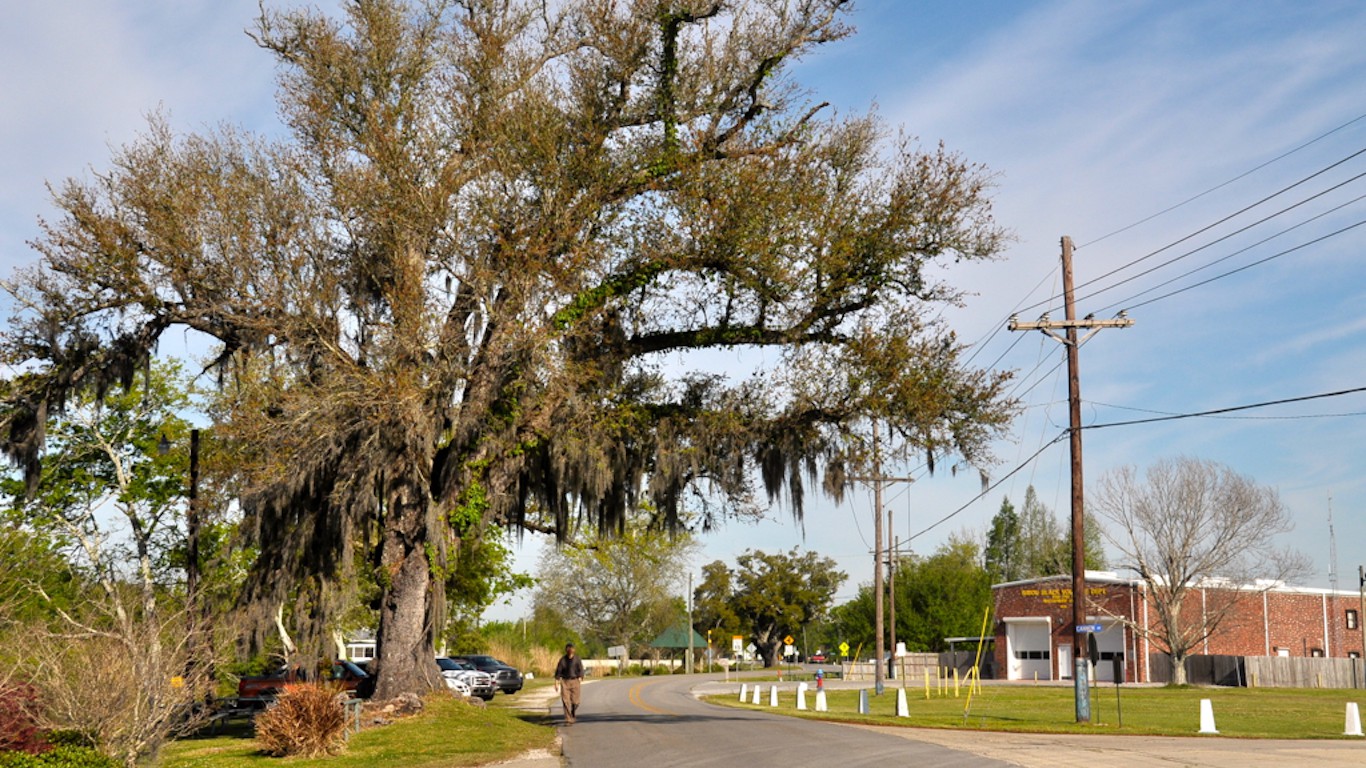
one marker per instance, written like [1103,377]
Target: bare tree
[1190,524]
[447,298]
[620,590]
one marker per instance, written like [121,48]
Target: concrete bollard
[801,695]
[744,689]
[1207,717]
[773,695]
[756,693]
[863,701]
[820,701]
[902,710]
[1353,727]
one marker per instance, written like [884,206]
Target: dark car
[508,679]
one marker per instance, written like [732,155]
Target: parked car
[508,679]
[475,682]
[262,689]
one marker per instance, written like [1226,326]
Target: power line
[1250,418]
[1203,229]
[1233,409]
[1125,302]
[1218,187]
[1247,266]
[1061,436]
[1239,231]
[989,488]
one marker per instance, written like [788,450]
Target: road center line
[638,700]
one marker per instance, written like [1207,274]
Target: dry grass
[308,720]
[537,660]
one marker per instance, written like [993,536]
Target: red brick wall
[1296,620]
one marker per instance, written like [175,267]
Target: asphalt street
[656,721]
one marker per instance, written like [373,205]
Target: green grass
[448,733]
[1280,713]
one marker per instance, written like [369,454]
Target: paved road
[656,721]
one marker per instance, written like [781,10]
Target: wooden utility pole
[1072,344]
[892,545]
[877,479]
[877,558]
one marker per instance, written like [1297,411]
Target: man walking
[568,678]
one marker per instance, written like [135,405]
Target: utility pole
[1080,678]
[894,545]
[1361,613]
[877,558]
[688,666]
[877,479]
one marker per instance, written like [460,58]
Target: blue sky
[1092,115]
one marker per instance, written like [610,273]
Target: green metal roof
[677,637]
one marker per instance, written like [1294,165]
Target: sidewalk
[541,701]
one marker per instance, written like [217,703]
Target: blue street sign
[1090,628]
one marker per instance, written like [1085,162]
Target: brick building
[1034,624]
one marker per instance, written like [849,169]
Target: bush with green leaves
[66,756]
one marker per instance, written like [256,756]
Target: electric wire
[993,486]
[1218,187]
[996,327]
[1231,409]
[1297,417]
[1237,232]
[1126,301]
[1248,266]
[1200,231]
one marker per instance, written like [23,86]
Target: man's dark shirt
[569,668]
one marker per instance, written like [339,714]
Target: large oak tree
[464,287]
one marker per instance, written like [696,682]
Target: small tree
[617,590]
[115,663]
[1187,524]
[770,595]
[1001,557]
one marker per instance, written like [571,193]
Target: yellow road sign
[789,640]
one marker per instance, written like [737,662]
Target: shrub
[308,720]
[59,757]
[19,710]
[662,669]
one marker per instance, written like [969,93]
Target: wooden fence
[1265,671]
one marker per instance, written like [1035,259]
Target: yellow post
[976,664]
[927,683]
[955,682]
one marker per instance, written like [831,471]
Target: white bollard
[773,696]
[820,701]
[801,695]
[756,692]
[744,689]
[901,709]
[1207,717]
[1353,727]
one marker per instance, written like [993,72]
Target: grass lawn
[1281,713]
[447,733]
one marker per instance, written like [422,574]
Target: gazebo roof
[677,637]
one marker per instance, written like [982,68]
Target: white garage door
[1110,643]
[1029,648]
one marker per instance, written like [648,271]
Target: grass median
[1280,713]
[447,734]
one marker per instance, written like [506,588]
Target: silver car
[460,675]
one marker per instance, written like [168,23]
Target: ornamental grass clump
[307,720]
